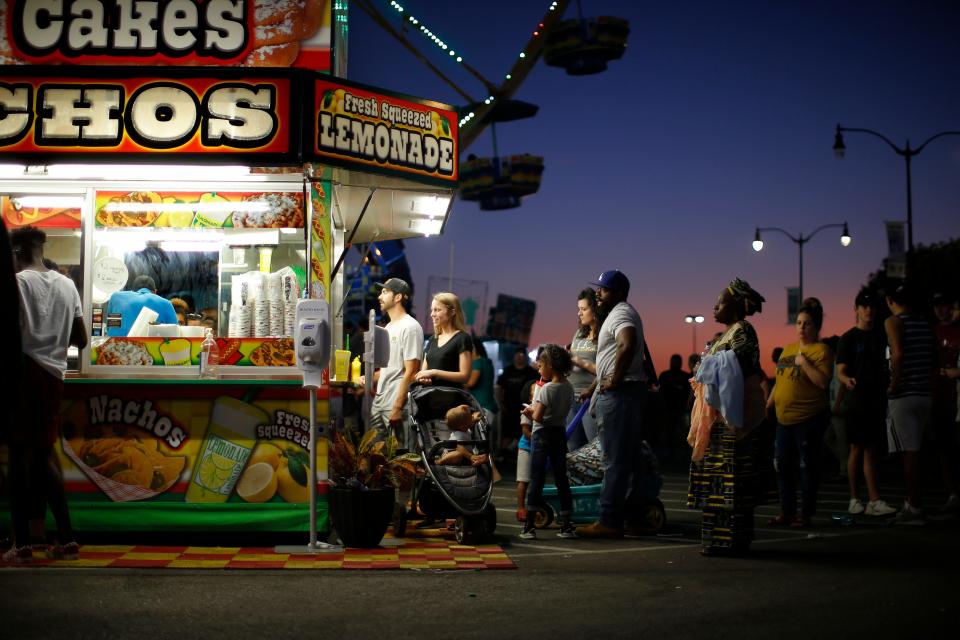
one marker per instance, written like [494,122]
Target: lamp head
[757,242]
[845,238]
[839,149]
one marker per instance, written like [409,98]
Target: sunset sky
[719,118]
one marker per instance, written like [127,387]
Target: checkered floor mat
[439,554]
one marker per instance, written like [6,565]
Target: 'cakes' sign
[210,32]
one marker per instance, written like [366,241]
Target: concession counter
[227,193]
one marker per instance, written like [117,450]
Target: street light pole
[693,320]
[801,240]
[839,149]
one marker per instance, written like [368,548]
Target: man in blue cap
[617,397]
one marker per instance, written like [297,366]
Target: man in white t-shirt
[50,321]
[617,397]
[389,412]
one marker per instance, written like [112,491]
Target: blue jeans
[619,414]
[549,443]
[798,445]
[584,432]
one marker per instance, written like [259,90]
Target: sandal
[781,521]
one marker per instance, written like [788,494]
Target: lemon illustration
[258,483]
[210,476]
[266,452]
[292,478]
[224,464]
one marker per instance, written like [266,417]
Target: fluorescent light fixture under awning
[398,208]
[146,172]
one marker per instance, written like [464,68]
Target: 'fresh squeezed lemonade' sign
[355,126]
[202,115]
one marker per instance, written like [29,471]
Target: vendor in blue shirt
[129,303]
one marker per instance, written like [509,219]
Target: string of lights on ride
[427,33]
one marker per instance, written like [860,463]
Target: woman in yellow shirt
[804,371]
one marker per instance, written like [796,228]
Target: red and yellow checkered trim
[416,555]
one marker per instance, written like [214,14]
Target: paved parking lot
[868,580]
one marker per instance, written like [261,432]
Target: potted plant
[364,477]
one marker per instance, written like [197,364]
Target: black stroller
[451,491]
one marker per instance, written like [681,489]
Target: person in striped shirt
[909,395]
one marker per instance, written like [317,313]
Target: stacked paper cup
[261,308]
[290,290]
[241,311]
[275,301]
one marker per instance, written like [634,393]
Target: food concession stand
[237,186]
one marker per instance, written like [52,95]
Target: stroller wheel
[654,517]
[490,518]
[468,530]
[545,517]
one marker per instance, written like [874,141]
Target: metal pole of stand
[313,468]
[314,545]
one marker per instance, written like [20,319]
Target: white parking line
[670,547]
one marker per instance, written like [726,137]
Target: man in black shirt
[675,392]
[508,388]
[862,372]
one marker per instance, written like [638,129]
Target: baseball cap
[941,298]
[612,279]
[865,298]
[396,285]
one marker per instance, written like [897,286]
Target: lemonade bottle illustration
[231,435]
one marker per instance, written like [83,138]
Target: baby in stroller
[451,437]
[461,421]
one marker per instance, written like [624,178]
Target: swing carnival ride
[581,46]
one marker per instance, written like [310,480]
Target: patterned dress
[725,484]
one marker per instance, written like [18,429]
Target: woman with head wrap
[728,405]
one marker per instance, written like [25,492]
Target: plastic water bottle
[209,358]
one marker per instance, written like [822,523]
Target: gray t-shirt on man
[406,343]
[622,315]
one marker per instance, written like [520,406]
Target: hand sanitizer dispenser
[312,340]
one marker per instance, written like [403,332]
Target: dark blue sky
[719,118]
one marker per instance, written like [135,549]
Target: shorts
[866,427]
[907,418]
[523,465]
[380,420]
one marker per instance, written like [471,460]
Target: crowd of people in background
[886,386]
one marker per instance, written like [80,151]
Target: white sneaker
[910,516]
[878,508]
[856,507]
